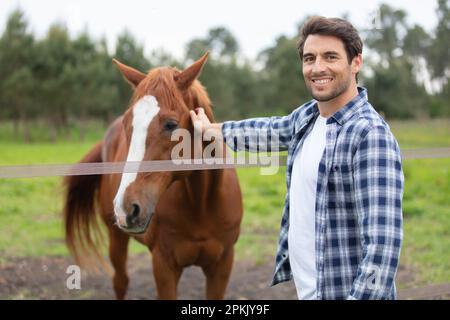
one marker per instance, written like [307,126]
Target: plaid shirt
[358,200]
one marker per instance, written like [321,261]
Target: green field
[30,222]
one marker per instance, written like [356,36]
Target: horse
[185,218]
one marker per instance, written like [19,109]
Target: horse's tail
[83,234]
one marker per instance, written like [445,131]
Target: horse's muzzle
[135,225]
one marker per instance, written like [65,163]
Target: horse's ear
[185,78]
[133,76]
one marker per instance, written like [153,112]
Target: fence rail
[41,170]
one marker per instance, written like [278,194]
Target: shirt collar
[341,116]
[348,110]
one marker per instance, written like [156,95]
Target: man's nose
[319,65]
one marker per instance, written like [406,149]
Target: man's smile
[322,81]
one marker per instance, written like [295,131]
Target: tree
[56,77]
[283,83]
[394,84]
[128,51]
[220,41]
[439,55]
[17,90]
[232,86]
[416,42]
[395,92]
[94,91]
[105,104]
[16,79]
[439,60]
[160,57]
[196,48]
[386,35]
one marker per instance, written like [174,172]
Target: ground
[45,278]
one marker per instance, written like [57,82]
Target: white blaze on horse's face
[143,113]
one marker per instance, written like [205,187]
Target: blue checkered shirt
[358,200]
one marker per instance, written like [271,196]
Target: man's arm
[379,185]
[257,134]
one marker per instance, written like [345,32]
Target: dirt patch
[45,278]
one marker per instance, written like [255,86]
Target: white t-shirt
[302,203]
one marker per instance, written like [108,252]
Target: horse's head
[160,104]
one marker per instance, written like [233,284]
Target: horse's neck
[203,185]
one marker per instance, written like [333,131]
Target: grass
[30,222]
[422,134]
[30,208]
[427,219]
[39,132]
[263,198]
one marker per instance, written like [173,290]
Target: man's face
[326,69]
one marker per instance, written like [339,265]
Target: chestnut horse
[184,217]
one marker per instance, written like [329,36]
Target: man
[341,229]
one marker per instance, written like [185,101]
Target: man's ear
[133,76]
[356,64]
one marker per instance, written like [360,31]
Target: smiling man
[341,230]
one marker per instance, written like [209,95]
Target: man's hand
[207,131]
[201,122]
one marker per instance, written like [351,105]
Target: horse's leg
[118,251]
[166,276]
[217,276]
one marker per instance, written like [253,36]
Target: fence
[29,171]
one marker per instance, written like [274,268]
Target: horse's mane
[161,82]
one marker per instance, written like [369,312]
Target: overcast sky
[170,24]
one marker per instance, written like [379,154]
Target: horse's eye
[170,125]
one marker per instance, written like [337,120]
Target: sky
[170,24]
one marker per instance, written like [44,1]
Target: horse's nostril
[136,211]
[132,217]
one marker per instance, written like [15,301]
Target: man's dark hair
[335,27]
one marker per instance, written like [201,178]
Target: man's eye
[170,125]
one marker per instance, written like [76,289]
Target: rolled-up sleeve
[259,134]
[379,182]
